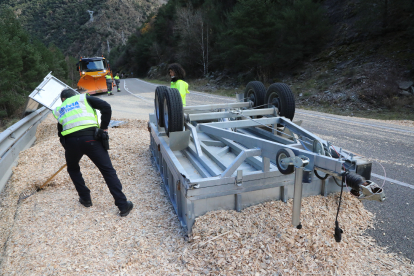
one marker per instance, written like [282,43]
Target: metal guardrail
[16,138]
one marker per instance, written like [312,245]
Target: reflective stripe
[80,123]
[84,113]
[76,116]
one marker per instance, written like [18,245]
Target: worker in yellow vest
[78,128]
[177,75]
[109,83]
[117,81]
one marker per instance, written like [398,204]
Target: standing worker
[109,83]
[78,128]
[177,75]
[117,81]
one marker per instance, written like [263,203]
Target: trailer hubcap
[282,156]
[274,100]
[251,97]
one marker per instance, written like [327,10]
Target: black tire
[284,153]
[173,111]
[256,92]
[160,91]
[280,96]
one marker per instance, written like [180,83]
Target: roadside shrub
[381,89]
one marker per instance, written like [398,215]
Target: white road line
[355,122]
[139,97]
[393,181]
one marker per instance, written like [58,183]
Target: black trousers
[75,148]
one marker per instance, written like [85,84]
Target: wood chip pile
[51,233]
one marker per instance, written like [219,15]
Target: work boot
[86,203]
[119,89]
[124,213]
[110,94]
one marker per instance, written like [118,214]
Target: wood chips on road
[51,233]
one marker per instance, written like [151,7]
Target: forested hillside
[350,55]
[257,37]
[68,24]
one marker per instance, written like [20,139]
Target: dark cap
[67,93]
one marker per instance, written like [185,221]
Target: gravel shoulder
[50,233]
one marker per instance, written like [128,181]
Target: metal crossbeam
[217,106]
[239,160]
[229,114]
[270,149]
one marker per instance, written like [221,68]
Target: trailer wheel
[284,153]
[173,111]
[160,91]
[280,96]
[255,91]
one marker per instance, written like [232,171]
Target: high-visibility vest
[182,87]
[116,77]
[75,114]
[108,78]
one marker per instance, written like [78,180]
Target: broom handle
[50,178]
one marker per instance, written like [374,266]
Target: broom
[32,191]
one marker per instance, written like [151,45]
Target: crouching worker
[77,128]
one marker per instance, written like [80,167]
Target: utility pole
[91,15]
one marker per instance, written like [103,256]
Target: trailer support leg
[297,197]
[238,202]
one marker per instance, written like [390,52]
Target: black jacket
[106,113]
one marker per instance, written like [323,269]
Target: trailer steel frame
[226,158]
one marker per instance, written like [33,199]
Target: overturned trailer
[234,155]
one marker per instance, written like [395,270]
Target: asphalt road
[389,146]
